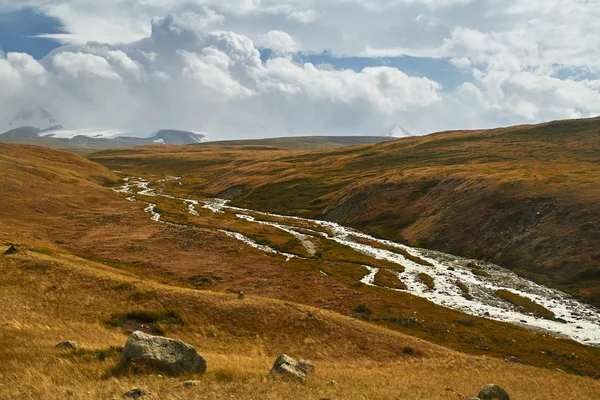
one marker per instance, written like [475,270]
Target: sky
[263,68]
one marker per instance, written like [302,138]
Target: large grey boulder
[493,392]
[167,354]
[288,368]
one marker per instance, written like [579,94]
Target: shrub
[363,309]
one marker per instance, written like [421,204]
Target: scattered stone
[12,250]
[493,392]
[137,394]
[486,314]
[167,354]
[559,370]
[287,367]
[68,345]
[514,360]
[241,295]
[307,366]
[191,384]
[571,356]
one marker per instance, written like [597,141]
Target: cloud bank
[199,68]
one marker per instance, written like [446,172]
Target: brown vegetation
[525,197]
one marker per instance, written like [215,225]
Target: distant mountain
[34,117]
[399,132]
[171,136]
[60,138]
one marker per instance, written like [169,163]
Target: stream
[574,319]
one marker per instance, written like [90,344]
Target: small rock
[514,360]
[190,384]
[137,393]
[287,367]
[167,354]
[12,250]
[241,295]
[306,366]
[68,345]
[559,370]
[493,392]
[333,382]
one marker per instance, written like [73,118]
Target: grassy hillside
[50,298]
[93,260]
[526,197]
[302,142]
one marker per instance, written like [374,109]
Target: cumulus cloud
[215,82]
[279,41]
[199,67]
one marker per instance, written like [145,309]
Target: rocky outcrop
[493,392]
[138,394]
[288,368]
[166,354]
[12,250]
[68,345]
[306,366]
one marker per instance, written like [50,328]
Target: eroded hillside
[524,197]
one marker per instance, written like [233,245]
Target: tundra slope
[525,197]
[572,318]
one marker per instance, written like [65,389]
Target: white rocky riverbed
[574,319]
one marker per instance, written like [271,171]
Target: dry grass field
[93,260]
[50,298]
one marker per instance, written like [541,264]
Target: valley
[258,249]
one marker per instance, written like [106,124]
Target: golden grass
[70,299]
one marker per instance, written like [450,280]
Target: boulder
[68,345]
[138,394]
[493,392]
[12,250]
[166,354]
[286,367]
[514,360]
[306,366]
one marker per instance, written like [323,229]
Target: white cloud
[528,60]
[216,82]
[81,65]
[279,41]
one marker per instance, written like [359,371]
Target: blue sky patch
[18,30]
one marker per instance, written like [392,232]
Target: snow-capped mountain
[34,117]
[399,132]
[36,124]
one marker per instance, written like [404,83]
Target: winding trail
[574,319]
